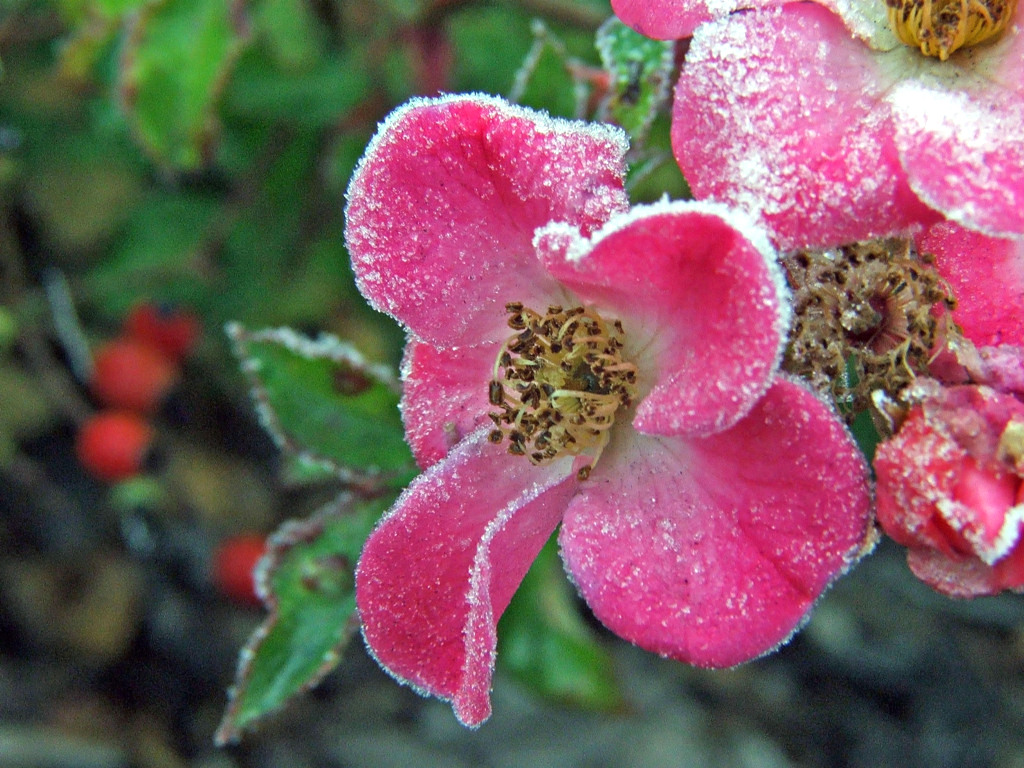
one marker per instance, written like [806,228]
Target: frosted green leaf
[177,58]
[307,582]
[640,72]
[320,399]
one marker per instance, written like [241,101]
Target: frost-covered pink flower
[950,488]
[820,119]
[571,362]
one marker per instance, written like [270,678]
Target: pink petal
[948,491]
[444,396]
[979,510]
[986,275]
[964,152]
[781,112]
[964,578]
[440,569]
[701,309]
[674,19]
[915,470]
[443,206]
[1001,368]
[968,577]
[713,550]
[1003,60]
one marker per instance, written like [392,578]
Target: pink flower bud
[950,488]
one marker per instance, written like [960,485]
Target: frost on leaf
[320,400]
[640,72]
[306,581]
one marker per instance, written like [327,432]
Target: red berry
[113,445]
[234,565]
[130,374]
[171,330]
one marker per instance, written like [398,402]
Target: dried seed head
[864,319]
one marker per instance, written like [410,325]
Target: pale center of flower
[940,27]
[558,382]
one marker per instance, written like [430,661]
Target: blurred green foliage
[198,150]
[545,644]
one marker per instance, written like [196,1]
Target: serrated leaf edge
[325,346]
[289,534]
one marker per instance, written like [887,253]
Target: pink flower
[573,363]
[834,130]
[950,488]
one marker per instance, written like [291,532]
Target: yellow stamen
[940,27]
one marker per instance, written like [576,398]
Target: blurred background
[168,166]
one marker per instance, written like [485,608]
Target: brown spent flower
[864,319]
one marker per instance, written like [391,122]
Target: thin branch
[57,384]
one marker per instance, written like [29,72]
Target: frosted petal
[713,550]
[440,569]
[986,275]
[949,491]
[956,578]
[444,396]
[964,152]
[781,112]
[442,209]
[1001,368]
[673,19]
[702,302]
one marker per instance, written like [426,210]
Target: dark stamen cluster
[558,381]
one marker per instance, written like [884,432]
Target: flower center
[558,382]
[866,317]
[939,27]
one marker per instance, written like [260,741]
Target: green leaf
[316,97]
[492,40]
[545,644]
[307,581]
[158,254]
[866,434]
[113,8]
[320,398]
[290,32]
[177,58]
[545,80]
[640,71]
[298,471]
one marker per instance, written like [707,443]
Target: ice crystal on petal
[986,275]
